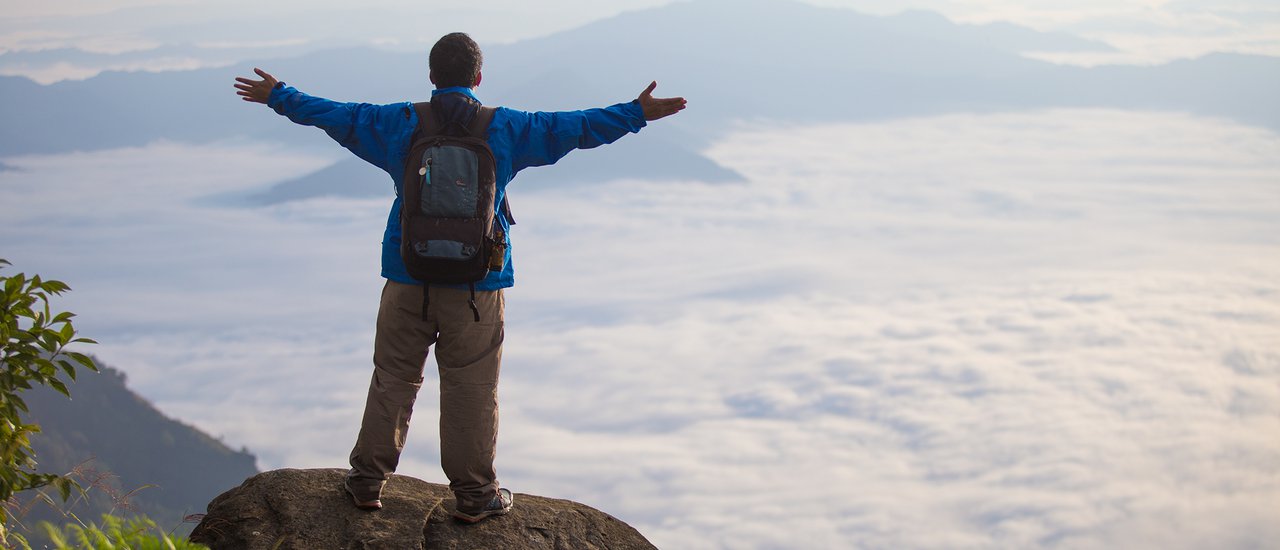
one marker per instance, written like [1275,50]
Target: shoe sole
[367,504]
[469,518]
[474,518]
[375,504]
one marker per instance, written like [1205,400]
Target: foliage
[33,342]
[122,528]
[33,351]
[139,533]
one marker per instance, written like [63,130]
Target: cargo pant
[468,356]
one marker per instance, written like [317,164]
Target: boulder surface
[308,510]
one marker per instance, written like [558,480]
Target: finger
[667,109]
[649,90]
[673,104]
[262,73]
[244,80]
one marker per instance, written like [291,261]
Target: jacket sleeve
[542,138]
[367,130]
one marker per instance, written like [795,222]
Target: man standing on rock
[468,352]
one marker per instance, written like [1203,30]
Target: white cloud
[1023,330]
[57,72]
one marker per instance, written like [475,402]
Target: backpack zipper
[425,172]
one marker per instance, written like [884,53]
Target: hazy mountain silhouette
[757,60]
[175,468]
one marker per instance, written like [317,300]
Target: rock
[308,510]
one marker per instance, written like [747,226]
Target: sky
[1037,329]
[185,34]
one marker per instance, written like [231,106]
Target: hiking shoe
[501,504]
[372,504]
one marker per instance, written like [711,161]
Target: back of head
[455,61]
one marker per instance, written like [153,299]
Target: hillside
[167,468]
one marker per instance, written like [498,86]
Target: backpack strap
[472,302]
[478,129]
[480,122]
[427,125]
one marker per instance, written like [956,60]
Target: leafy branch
[33,351]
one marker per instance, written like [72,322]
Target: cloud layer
[1025,330]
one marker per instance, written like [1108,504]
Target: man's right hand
[658,107]
[256,91]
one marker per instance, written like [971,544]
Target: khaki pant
[469,356]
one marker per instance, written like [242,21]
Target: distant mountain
[355,178]
[107,429]
[791,62]
[735,61]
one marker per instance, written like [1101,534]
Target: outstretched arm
[256,91]
[539,139]
[369,131]
[654,107]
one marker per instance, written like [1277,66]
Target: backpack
[449,231]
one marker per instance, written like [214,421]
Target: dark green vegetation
[138,460]
[105,454]
[33,341]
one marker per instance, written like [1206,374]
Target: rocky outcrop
[308,510]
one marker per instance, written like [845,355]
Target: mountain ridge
[120,445]
[786,62]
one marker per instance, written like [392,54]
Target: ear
[479,76]
[432,76]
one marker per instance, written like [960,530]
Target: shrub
[33,342]
[33,350]
[139,533]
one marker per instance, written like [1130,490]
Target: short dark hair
[455,60]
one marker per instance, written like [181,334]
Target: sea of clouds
[1043,329]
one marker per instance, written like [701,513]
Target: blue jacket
[380,135]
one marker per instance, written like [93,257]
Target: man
[468,353]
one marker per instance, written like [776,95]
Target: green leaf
[83,360]
[64,485]
[68,332]
[58,385]
[68,368]
[50,341]
[55,287]
[84,341]
[45,368]
[12,284]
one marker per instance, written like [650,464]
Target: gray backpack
[449,230]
